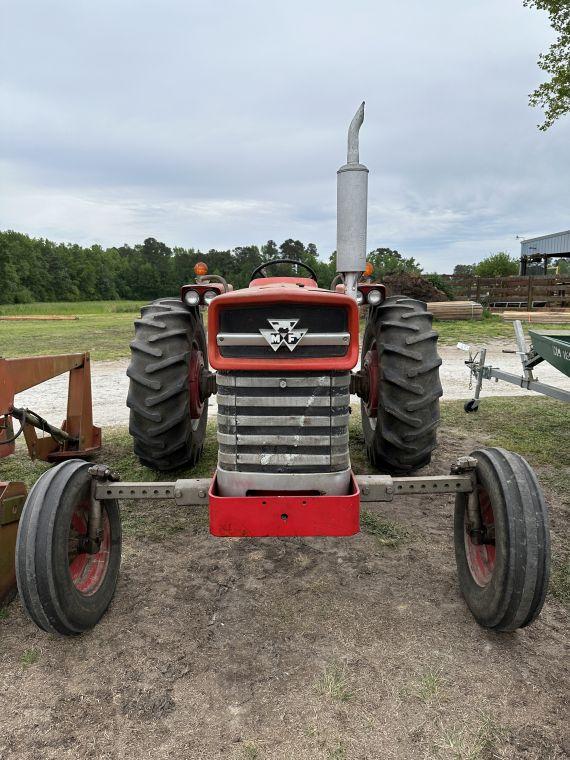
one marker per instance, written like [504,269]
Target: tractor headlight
[191,298]
[359,298]
[374,297]
[209,296]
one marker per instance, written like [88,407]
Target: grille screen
[313,318]
[283,423]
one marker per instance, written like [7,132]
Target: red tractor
[284,350]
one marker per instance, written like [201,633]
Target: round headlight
[191,298]
[374,297]
[209,296]
[359,298]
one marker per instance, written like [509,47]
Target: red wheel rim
[87,571]
[370,368]
[195,371]
[481,557]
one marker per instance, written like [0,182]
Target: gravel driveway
[110,385]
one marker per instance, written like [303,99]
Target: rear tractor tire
[503,570]
[400,408]
[169,407]
[65,589]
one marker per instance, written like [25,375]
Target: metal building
[545,248]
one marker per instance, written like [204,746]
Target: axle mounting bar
[191,492]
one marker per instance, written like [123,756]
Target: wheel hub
[87,569]
[370,384]
[195,373]
[480,553]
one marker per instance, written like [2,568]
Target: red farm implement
[76,438]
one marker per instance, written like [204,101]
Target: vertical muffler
[352,210]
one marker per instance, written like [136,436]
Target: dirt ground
[110,384]
[258,649]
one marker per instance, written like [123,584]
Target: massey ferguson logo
[283,333]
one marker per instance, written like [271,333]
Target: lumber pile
[456,310]
[543,317]
[37,317]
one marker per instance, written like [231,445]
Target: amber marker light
[200,269]
[368,269]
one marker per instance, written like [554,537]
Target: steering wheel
[260,270]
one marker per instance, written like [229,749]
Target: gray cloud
[223,123]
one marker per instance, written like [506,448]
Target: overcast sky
[221,123]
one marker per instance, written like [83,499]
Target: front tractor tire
[64,587]
[169,407]
[504,564]
[400,407]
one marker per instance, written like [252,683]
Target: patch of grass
[4,614]
[333,683]
[476,741]
[71,307]
[337,752]
[477,332]
[29,657]
[430,686]
[250,751]
[534,427]
[560,579]
[105,336]
[386,532]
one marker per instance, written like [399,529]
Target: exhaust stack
[352,209]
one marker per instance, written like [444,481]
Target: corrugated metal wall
[559,242]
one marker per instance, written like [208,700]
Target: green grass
[105,328]
[533,426]
[29,657]
[106,336]
[71,307]
[386,532]
[430,686]
[476,740]
[4,614]
[477,332]
[333,683]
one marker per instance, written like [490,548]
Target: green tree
[465,270]
[386,261]
[497,265]
[554,95]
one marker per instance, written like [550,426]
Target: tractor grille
[283,423]
[325,331]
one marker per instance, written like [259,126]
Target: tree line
[37,269]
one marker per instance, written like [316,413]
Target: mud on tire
[165,434]
[401,437]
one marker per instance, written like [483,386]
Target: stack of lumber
[544,317]
[456,310]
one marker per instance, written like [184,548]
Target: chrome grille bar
[309,339]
